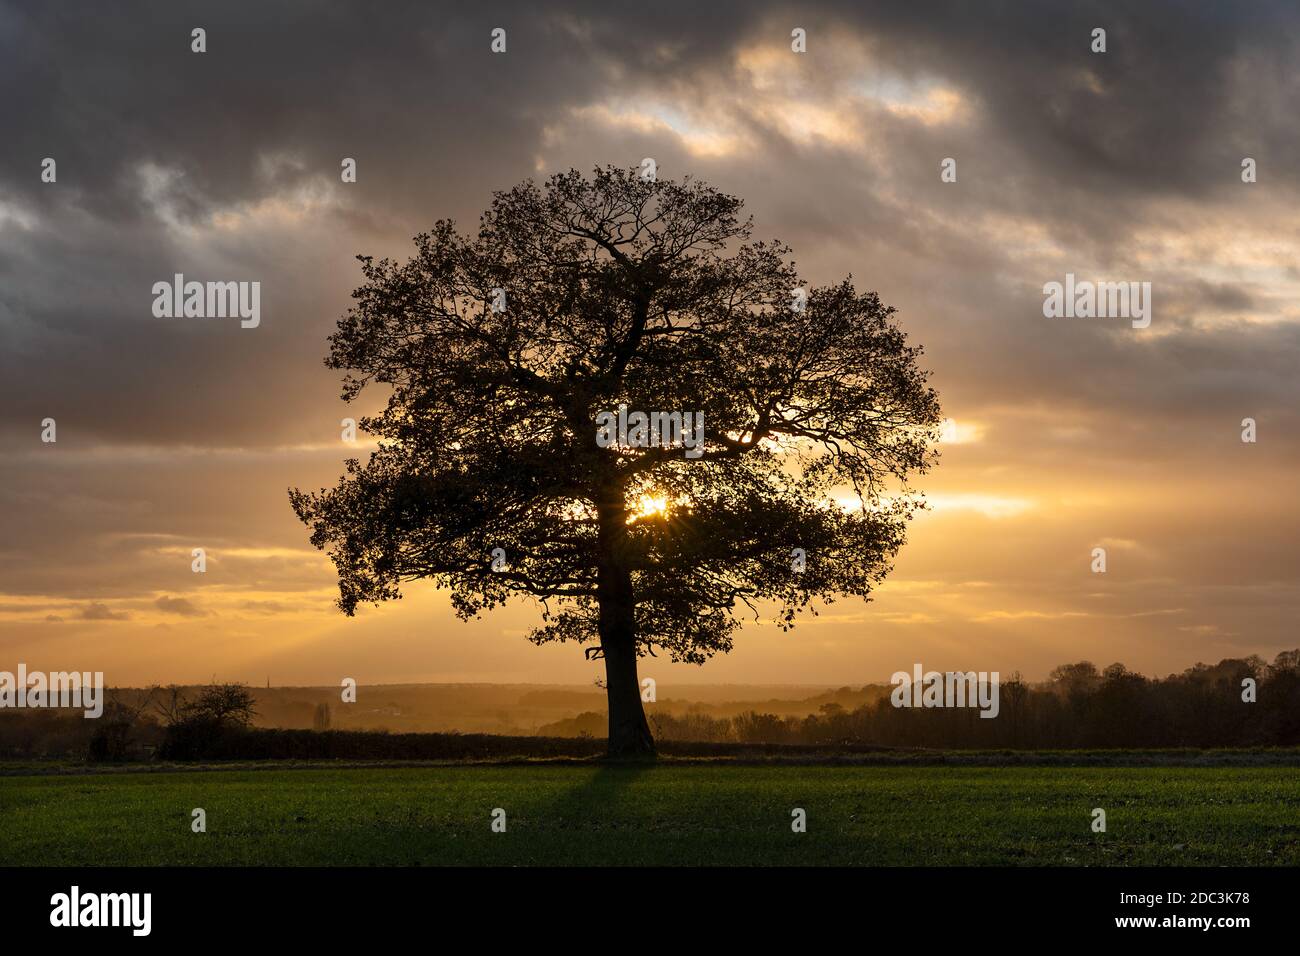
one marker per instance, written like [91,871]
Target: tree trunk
[629,733]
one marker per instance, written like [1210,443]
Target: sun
[649,506]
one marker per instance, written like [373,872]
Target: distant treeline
[1078,707]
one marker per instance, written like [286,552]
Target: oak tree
[498,352]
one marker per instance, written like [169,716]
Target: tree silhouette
[501,352]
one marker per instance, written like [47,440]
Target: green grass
[667,814]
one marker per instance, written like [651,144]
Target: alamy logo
[626,429]
[208,300]
[103,909]
[953,689]
[1103,300]
[55,689]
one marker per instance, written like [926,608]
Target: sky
[1070,434]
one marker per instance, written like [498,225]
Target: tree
[114,730]
[504,355]
[225,705]
[170,702]
[207,725]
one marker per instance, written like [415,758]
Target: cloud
[180,606]
[96,611]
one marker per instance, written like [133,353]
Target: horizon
[698,685]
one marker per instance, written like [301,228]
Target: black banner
[329,905]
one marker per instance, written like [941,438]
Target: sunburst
[649,506]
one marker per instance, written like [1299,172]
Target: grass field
[667,814]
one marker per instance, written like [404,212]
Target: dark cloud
[1078,143]
[181,606]
[96,611]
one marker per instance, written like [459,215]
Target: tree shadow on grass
[599,807]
